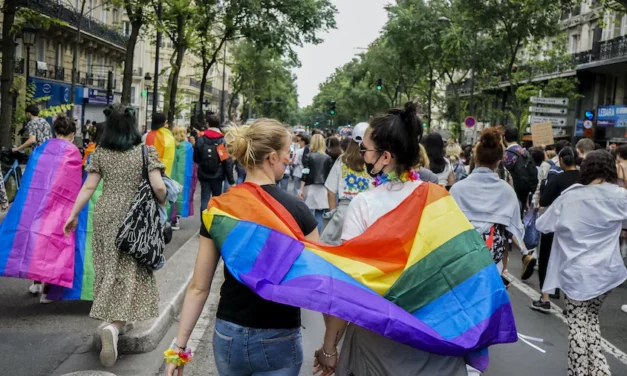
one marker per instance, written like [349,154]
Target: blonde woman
[453,153]
[251,334]
[316,167]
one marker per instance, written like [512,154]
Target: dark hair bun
[490,138]
[64,126]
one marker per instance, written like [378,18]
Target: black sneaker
[539,305]
[529,262]
[556,295]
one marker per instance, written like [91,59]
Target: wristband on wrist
[326,355]
[180,357]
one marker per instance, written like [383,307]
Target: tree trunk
[76,57]
[174,82]
[137,21]
[200,117]
[8,73]
[233,97]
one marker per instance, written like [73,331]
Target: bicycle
[12,171]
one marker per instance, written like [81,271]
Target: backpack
[524,174]
[554,169]
[212,155]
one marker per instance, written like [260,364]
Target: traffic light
[332,108]
[317,123]
[425,125]
[590,115]
[379,84]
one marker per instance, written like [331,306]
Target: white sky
[358,24]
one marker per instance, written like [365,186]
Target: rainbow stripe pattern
[185,173]
[83,286]
[421,275]
[163,140]
[33,244]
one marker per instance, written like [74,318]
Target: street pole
[250,100]
[223,86]
[472,88]
[155,91]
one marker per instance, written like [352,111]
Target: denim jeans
[209,188]
[318,213]
[283,183]
[296,185]
[242,351]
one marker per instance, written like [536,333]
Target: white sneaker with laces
[35,289]
[109,341]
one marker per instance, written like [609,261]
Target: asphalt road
[35,338]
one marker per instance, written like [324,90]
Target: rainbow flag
[185,173]
[88,151]
[83,286]
[163,140]
[33,245]
[421,275]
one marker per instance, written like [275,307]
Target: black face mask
[370,168]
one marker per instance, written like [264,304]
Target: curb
[172,282]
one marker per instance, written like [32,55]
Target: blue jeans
[209,188]
[242,351]
[296,185]
[283,183]
[318,213]
[226,186]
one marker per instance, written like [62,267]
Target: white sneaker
[109,340]
[35,289]
[624,308]
[43,299]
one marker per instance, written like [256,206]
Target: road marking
[557,311]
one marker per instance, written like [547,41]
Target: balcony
[49,71]
[138,72]
[194,83]
[88,24]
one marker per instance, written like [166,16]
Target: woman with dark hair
[334,150]
[348,178]
[123,290]
[585,260]
[488,201]
[437,162]
[556,184]
[390,149]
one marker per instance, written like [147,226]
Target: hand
[323,364]
[170,370]
[4,206]
[70,225]
[301,195]
[14,150]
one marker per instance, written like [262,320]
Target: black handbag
[141,233]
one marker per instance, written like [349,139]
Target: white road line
[557,311]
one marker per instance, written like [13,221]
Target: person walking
[556,184]
[519,163]
[316,167]
[162,139]
[585,260]
[38,129]
[438,164]
[252,336]
[454,154]
[297,162]
[214,163]
[185,173]
[488,201]
[124,291]
[347,179]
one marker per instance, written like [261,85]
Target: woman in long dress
[123,290]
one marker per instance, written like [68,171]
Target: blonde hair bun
[250,145]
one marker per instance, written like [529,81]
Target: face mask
[370,168]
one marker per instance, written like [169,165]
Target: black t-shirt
[239,304]
[556,184]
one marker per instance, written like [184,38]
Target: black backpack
[210,159]
[524,174]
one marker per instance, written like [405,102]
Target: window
[126,27]
[149,97]
[133,99]
[103,14]
[19,49]
[623,25]
[59,55]
[116,17]
[91,7]
[40,53]
[90,63]
[574,44]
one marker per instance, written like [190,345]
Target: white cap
[359,132]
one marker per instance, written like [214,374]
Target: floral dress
[123,290]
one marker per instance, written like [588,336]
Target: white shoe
[43,299]
[624,308]
[35,289]
[109,340]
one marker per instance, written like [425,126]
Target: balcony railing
[88,24]
[19,66]
[194,83]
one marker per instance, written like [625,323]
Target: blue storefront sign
[579,128]
[612,116]
[97,96]
[59,93]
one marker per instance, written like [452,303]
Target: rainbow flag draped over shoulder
[185,173]
[83,286]
[163,140]
[32,243]
[421,275]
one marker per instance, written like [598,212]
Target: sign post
[542,118]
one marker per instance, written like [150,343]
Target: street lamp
[147,79]
[28,38]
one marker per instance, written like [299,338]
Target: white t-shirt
[443,176]
[367,207]
[347,183]
[298,162]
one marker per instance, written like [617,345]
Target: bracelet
[324,353]
[180,358]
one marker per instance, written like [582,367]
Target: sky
[358,24]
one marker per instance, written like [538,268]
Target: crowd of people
[341,186]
